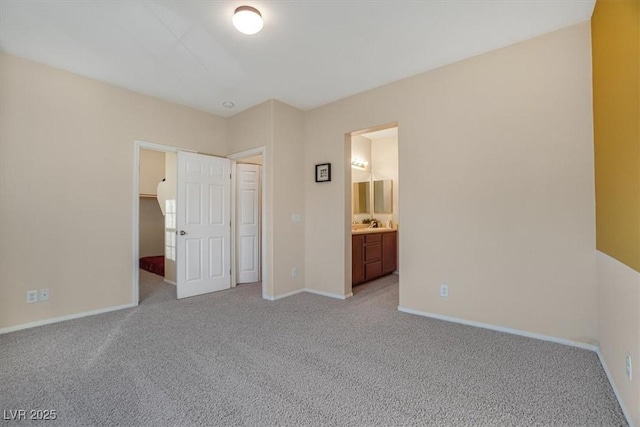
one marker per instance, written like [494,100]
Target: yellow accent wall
[615,27]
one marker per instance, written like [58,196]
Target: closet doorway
[156,220]
[249,206]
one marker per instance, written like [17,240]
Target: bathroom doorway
[373,186]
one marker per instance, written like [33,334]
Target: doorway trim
[262,150]
[137,146]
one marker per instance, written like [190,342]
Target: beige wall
[496,165]
[151,171]
[619,327]
[280,129]
[66,165]
[361,149]
[288,195]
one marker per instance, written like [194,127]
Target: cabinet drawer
[372,238]
[372,270]
[372,253]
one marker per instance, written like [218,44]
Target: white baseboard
[311,291]
[615,389]
[501,329]
[327,294]
[64,318]
[170,282]
[288,294]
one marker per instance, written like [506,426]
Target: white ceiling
[310,52]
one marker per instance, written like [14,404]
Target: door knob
[182,232]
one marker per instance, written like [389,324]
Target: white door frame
[263,215]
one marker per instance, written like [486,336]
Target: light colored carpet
[233,359]
[148,283]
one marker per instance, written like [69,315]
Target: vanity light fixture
[247,20]
[359,163]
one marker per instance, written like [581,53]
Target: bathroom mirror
[361,197]
[383,196]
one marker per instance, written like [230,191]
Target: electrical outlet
[628,367]
[44,294]
[294,272]
[444,291]
[32,296]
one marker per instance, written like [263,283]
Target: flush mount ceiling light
[228,104]
[247,20]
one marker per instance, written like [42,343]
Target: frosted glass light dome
[247,20]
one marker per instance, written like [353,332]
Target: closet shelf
[148,195]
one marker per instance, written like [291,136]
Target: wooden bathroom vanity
[374,253]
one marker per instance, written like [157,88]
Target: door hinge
[229,176]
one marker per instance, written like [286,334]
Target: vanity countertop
[372,230]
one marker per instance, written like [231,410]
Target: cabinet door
[372,253]
[389,252]
[357,259]
[372,270]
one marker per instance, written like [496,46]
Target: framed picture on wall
[323,172]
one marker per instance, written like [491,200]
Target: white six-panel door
[248,223]
[203,243]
